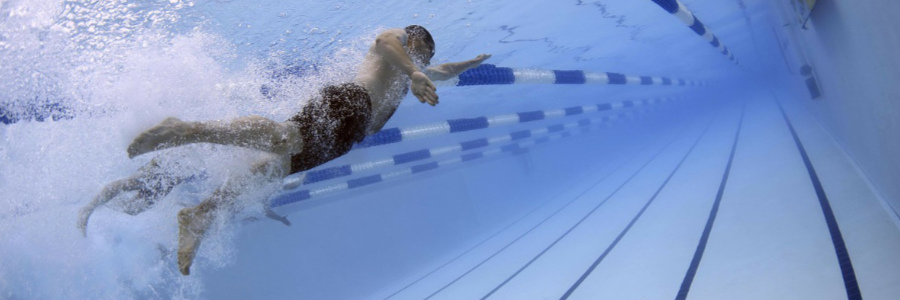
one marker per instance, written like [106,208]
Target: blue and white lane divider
[323,174]
[679,10]
[399,134]
[514,148]
[488,74]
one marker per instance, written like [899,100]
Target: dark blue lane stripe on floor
[704,238]
[536,225]
[634,154]
[499,232]
[635,219]
[613,193]
[837,238]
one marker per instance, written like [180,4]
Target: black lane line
[551,216]
[704,238]
[635,219]
[560,209]
[539,224]
[843,256]
[579,221]
[605,164]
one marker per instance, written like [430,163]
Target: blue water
[114,69]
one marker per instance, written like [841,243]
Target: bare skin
[151,184]
[392,66]
[387,63]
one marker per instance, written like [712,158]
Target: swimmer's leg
[193,222]
[143,200]
[251,132]
[156,183]
[146,196]
[109,191]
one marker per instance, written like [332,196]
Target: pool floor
[770,238]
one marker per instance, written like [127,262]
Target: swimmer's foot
[83,217]
[192,224]
[165,134]
[293,184]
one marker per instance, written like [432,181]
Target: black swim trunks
[330,124]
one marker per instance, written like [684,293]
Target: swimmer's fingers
[426,95]
[430,96]
[475,62]
[432,93]
[419,95]
[434,99]
[423,88]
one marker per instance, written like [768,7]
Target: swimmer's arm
[450,70]
[389,45]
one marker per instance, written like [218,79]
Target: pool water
[622,157]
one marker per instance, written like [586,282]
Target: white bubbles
[122,67]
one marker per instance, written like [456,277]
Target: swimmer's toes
[184,262]
[142,144]
[83,228]
[83,220]
[134,150]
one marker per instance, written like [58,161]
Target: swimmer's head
[419,44]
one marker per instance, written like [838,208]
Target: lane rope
[677,9]
[323,174]
[399,134]
[516,147]
[488,74]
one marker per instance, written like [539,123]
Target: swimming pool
[606,150]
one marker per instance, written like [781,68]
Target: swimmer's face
[420,51]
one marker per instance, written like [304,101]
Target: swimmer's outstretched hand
[423,88]
[479,59]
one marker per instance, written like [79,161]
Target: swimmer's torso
[386,84]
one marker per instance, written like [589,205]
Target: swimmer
[152,183]
[326,128]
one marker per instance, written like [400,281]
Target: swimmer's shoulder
[394,33]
